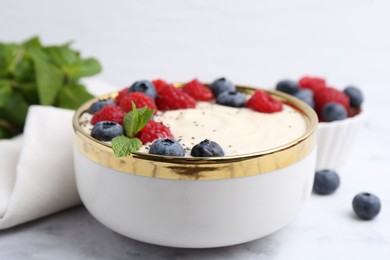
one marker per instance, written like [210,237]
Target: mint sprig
[133,122]
[136,119]
[31,73]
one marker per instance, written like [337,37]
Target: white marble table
[325,229]
[251,42]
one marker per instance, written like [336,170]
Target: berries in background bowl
[340,114]
[306,95]
[326,182]
[333,111]
[288,86]
[355,96]
[366,205]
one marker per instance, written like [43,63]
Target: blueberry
[98,105]
[326,182]
[144,86]
[355,96]
[366,205]
[106,130]
[231,99]
[207,148]
[306,95]
[166,146]
[287,86]
[221,85]
[333,112]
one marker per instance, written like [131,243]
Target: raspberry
[152,131]
[198,91]
[312,83]
[263,102]
[121,94]
[327,95]
[159,84]
[140,100]
[171,98]
[109,113]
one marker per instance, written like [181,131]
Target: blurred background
[249,41]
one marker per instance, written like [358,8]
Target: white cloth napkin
[36,169]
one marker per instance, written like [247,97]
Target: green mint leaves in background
[133,122]
[31,74]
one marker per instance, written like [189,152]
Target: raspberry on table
[312,83]
[261,101]
[121,94]
[171,98]
[198,91]
[109,113]
[140,100]
[328,95]
[152,131]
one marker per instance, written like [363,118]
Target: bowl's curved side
[194,213]
[335,140]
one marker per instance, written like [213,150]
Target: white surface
[250,42]
[194,214]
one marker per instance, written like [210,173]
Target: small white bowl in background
[335,141]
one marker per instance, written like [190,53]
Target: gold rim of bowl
[202,168]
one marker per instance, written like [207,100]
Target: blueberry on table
[221,85]
[98,105]
[169,147]
[306,95]
[355,96]
[366,205]
[326,182]
[231,99]
[333,112]
[106,130]
[207,148]
[288,86]
[144,86]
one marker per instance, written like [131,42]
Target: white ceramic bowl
[335,141]
[197,202]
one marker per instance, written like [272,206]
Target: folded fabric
[44,179]
[36,169]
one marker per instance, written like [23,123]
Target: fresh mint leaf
[123,146]
[73,96]
[63,56]
[33,42]
[5,92]
[23,70]
[29,91]
[8,53]
[15,109]
[136,119]
[49,79]
[85,68]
